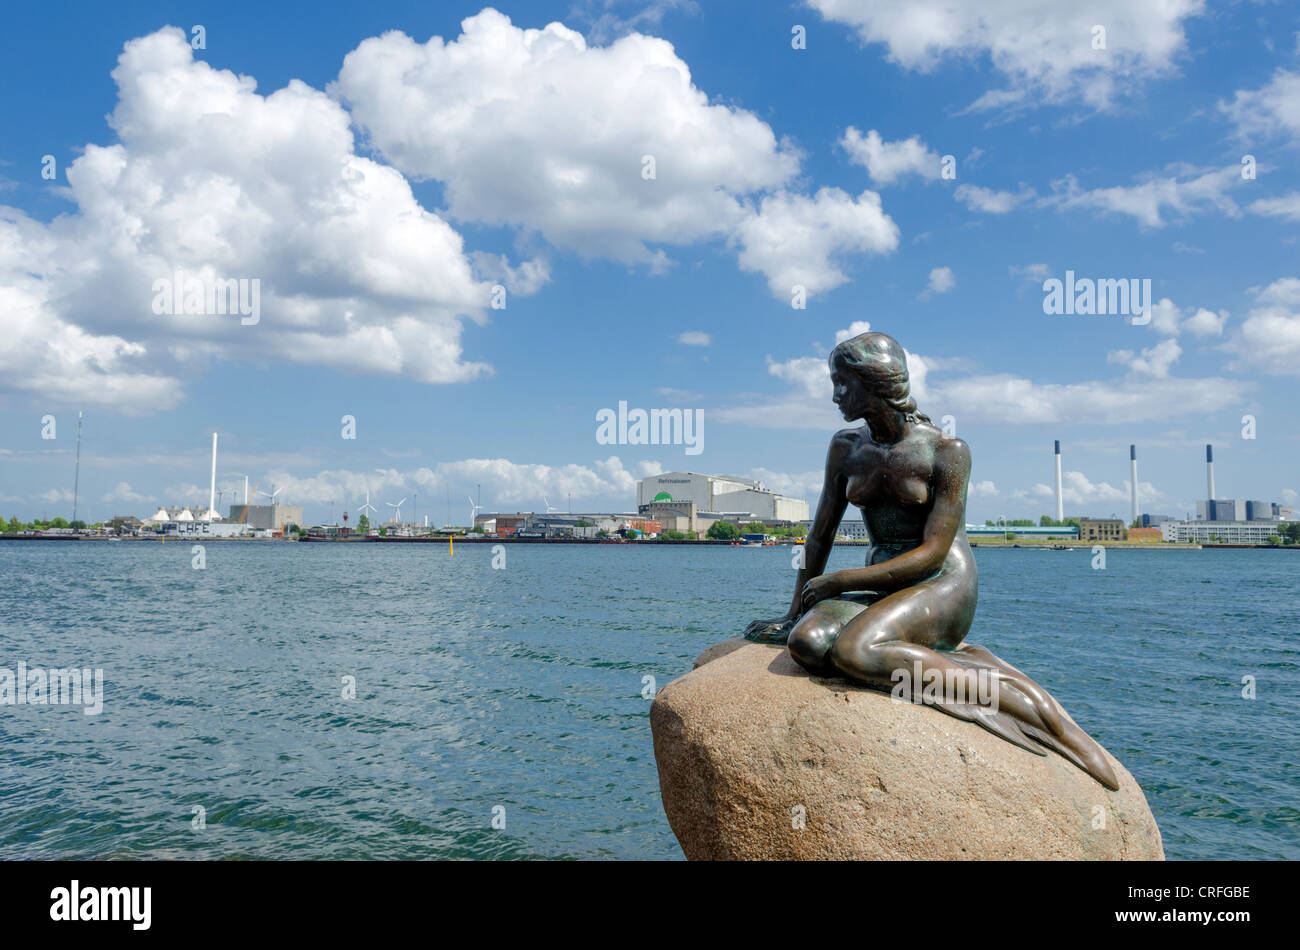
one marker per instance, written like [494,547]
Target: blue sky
[379,183]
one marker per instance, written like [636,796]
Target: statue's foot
[769,631]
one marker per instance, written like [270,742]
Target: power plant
[1229,519]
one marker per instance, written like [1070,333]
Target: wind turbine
[473,510]
[367,505]
[549,507]
[271,495]
[397,509]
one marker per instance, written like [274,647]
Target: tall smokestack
[212,491]
[1209,471]
[1060,502]
[1133,474]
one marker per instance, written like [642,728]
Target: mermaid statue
[901,620]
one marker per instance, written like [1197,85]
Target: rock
[750,748]
[718,650]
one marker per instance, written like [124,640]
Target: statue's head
[869,372]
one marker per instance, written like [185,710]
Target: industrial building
[1212,508]
[1223,532]
[1227,520]
[198,530]
[554,525]
[274,517]
[686,517]
[1067,532]
[177,513]
[1155,521]
[852,527]
[721,495]
[1101,529]
[1148,534]
[1237,509]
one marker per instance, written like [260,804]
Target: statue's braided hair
[879,361]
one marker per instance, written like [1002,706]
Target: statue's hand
[822,587]
[770,631]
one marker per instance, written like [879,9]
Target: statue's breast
[861,489]
[912,490]
[895,477]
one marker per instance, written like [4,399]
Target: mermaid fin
[1000,724]
[1094,763]
[1032,739]
[1089,758]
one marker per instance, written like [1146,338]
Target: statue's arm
[817,546]
[947,516]
[830,511]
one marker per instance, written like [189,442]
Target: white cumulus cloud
[1285,206]
[215,180]
[1269,338]
[1044,49]
[1272,111]
[887,162]
[1178,194]
[941,281]
[800,241]
[989,201]
[608,151]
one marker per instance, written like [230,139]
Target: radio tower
[76,478]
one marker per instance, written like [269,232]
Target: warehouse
[715,494]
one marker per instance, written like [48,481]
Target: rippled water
[522,688]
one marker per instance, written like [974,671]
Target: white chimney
[1060,502]
[1133,474]
[1209,472]
[212,491]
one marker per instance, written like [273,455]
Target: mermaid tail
[1060,735]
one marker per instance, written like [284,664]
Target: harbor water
[502,712]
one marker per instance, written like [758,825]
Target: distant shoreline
[707,542]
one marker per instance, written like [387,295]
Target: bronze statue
[901,619]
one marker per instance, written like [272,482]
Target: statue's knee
[810,642]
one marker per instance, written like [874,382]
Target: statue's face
[851,396]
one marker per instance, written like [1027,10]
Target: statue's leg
[811,638]
[903,632]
